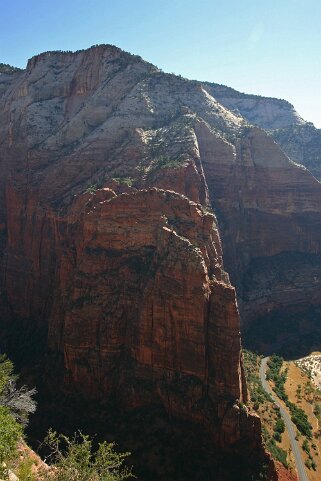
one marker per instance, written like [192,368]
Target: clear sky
[267,47]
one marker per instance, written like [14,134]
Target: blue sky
[265,47]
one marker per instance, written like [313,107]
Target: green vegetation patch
[91,189]
[275,364]
[298,416]
[263,403]
[258,394]
[75,460]
[10,433]
[277,453]
[8,69]
[124,180]
[16,404]
[165,162]
[24,471]
[72,459]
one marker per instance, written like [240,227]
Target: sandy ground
[311,365]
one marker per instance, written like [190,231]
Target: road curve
[287,421]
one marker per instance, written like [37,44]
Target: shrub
[8,69]
[74,460]
[277,437]
[10,433]
[308,463]
[18,400]
[24,471]
[91,189]
[305,446]
[124,180]
[317,410]
[15,406]
[300,419]
[258,395]
[279,426]
[277,452]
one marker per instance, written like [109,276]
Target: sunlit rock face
[299,139]
[122,191]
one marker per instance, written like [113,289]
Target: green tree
[18,400]
[16,404]
[10,433]
[305,446]
[279,426]
[73,459]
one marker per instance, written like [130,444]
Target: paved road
[288,423]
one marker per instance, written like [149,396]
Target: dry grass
[28,465]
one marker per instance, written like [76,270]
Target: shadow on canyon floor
[292,334]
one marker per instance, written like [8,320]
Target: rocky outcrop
[265,112]
[284,474]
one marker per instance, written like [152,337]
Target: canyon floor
[302,388]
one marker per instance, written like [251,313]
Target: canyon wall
[299,139]
[277,225]
[123,189]
[112,282]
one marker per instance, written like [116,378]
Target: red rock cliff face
[269,208]
[142,287]
[137,304]
[110,172]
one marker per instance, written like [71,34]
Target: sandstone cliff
[268,113]
[111,256]
[127,281]
[299,139]
[302,143]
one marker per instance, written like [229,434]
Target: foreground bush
[16,404]
[74,460]
[10,433]
[18,400]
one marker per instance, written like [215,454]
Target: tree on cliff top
[8,69]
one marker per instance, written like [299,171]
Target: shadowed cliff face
[138,310]
[110,249]
[270,222]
